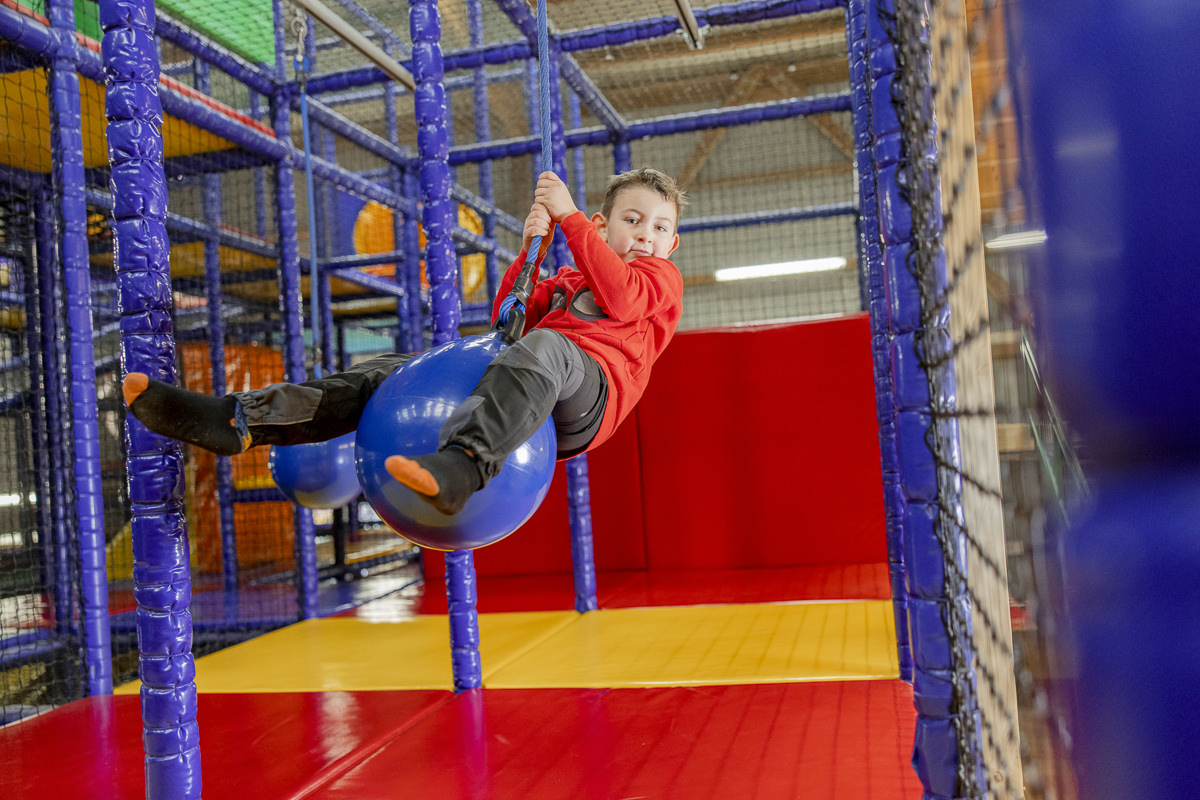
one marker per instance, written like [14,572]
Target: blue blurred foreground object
[404,417]
[317,475]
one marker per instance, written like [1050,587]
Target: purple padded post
[870,251]
[162,584]
[440,215]
[396,182]
[412,322]
[56,547]
[558,153]
[67,148]
[579,507]
[260,177]
[293,309]
[41,332]
[67,145]
[621,156]
[483,133]
[461,596]
[211,207]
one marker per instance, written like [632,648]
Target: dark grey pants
[543,375]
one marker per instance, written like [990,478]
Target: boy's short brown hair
[652,179]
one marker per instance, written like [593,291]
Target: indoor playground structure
[907,510]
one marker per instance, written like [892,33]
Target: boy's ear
[601,223]
[674,244]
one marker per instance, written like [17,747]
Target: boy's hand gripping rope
[510,320]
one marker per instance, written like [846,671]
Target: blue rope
[524,280]
[547,160]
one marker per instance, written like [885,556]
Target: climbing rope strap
[511,318]
[299,24]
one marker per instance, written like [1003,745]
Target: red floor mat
[841,741]
[262,746]
[820,741]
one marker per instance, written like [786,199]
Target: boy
[593,333]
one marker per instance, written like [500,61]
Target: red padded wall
[754,446]
[760,448]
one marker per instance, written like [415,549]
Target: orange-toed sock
[445,479]
[215,423]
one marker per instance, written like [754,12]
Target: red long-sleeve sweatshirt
[623,315]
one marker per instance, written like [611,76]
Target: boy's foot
[214,423]
[445,479]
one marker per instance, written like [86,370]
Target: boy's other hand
[552,193]
[538,223]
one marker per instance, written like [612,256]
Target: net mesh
[763,192]
[40,592]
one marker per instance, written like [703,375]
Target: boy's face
[642,224]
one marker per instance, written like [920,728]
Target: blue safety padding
[931,644]
[917,470]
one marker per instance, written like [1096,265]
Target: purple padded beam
[763,217]
[162,583]
[211,53]
[871,258]
[188,109]
[460,82]
[660,126]
[292,303]
[593,38]
[67,147]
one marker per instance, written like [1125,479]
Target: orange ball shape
[374,232]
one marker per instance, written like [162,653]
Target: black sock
[455,473]
[208,422]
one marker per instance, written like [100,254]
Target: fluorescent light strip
[782,268]
[1012,241]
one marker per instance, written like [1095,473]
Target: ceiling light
[781,268]
[1012,241]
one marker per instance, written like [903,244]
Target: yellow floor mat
[663,646]
[709,645]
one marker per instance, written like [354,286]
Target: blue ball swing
[406,413]
[316,475]
[404,416]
